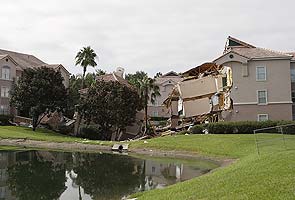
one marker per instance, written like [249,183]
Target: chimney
[120,72]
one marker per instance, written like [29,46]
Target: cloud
[154,35]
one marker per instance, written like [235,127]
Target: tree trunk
[78,120]
[145,111]
[83,77]
[34,122]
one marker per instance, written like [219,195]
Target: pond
[47,175]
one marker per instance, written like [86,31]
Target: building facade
[12,64]
[166,84]
[263,82]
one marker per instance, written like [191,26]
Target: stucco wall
[4,101]
[277,84]
[250,112]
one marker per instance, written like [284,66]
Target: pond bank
[77,146]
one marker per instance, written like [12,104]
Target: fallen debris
[201,96]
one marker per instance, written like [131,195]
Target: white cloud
[154,35]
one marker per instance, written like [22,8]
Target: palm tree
[85,57]
[148,91]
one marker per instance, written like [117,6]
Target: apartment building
[166,83]
[12,64]
[263,82]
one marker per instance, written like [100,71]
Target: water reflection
[46,175]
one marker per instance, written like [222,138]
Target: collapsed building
[202,95]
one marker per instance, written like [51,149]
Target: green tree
[40,91]
[110,105]
[158,74]
[85,57]
[148,90]
[99,72]
[74,87]
[134,79]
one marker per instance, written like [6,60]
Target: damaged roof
[209,67]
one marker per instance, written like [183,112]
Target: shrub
[197,129]
[66,130]
[243,127]
[93,132]
[159,118]
[5,120]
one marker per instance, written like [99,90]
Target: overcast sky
[148,35]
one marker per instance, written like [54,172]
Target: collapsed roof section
[205,90]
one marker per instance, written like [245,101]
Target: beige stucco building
[12,64]
[263,82]
[166,83]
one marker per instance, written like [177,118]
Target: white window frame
[259,115]
[4,110]
[6,72]
[266,100]
[265,72]
[5,92]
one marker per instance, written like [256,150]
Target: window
[262,97]
[6,73]
[155,114]
[4,110]
[293,96]
[260,73]
[262,117]
[4,91]
[292,74]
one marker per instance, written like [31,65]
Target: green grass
[268,176]
[15,132]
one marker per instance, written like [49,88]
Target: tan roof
[168,76]
[24,60]
[27,61]
[113,77]
[242,43]
[54,66]
[258,53]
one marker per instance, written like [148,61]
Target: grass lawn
[42,135]
[268,176]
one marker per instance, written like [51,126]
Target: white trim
[258,115]
[2,79]
[280,102]
[246,103]
[266,102]
[269,103]
[265,72]
[272,58]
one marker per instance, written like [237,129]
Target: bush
[4,120]
[242,127]
[197,129]
[66,130]
[159,118]
[92,132]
